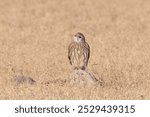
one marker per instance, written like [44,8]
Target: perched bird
[79,52]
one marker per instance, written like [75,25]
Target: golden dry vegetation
[34,38]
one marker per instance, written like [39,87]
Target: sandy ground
[34,38]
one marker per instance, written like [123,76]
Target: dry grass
[34,37]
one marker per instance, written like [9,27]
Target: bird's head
[79,37]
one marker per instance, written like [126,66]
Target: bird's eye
[79,36]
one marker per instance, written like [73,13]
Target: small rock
[23,80]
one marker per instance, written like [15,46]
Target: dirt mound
[82,78]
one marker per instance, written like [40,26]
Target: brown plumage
[79,52]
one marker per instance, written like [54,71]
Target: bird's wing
[88,50]
[69,53]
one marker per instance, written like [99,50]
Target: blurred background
[34,38]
